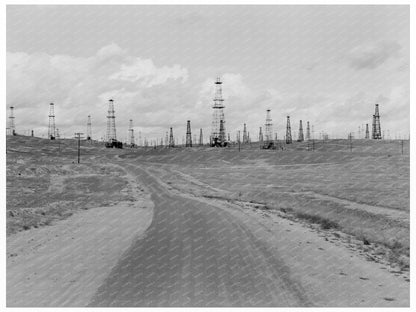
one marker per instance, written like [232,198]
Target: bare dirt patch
[64,264]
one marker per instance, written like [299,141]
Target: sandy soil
[64,264]
[185,237]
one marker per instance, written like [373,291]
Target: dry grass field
[333,220]
[45,183]
[363,192]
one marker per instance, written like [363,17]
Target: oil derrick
[111,123]
[89,132]
[367,133]
[166,139]
[260,136]
[201,139]
[188,134]
[376,125]
[171,140]
[131,134]
[57,136]
[111,127]
[245,139]
[308,131]
[288,132]
[268,142]
[218,122]
[51,128]
[12,128]
[300,135]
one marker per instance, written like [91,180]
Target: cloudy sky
[325,64]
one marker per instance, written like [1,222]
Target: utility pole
[78,136]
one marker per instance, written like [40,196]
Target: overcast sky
[325,64]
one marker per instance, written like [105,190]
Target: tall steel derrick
[51,128]
[288,132]
[260,136]
[89,131]
[166,139]
[12,128]
[300,135]
[367,132]
[268,135]
[111,122]
[131,134]
[171,139]
[245,138]
[308,131]
[376,125]
[188,134]
[218,122]
[201,138]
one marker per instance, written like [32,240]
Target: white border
[159,2]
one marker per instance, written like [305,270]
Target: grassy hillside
[364,192]
[45,182]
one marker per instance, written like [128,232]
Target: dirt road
[195,254]
[197,251]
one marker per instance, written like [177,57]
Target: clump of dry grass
[325,223]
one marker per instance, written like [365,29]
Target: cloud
[149,75]
[372,55]
[81,86]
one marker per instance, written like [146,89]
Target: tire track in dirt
[194,254]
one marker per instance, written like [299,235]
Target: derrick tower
[260,136]
[218,122]
[89,132]
[57,134]
[188,134]
[12,128]
[268,128]
[308,131]
[167,139]
[171,140]
[51,128]
[376,124]
[367,132]
[245,139]
[111,122]
[201,138]
[300,135]
[288,132]
[131,133]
